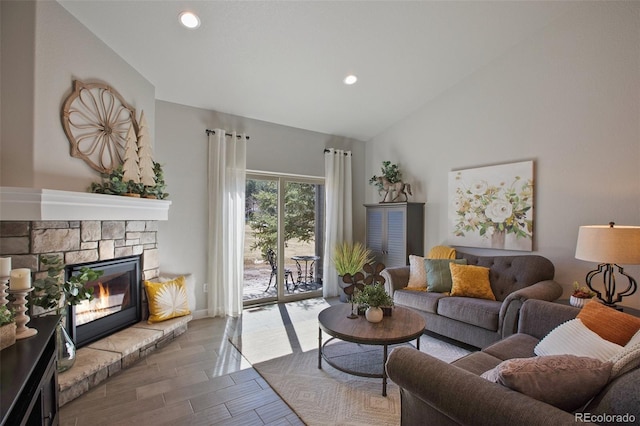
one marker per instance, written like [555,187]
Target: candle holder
[4,285]
[22,331]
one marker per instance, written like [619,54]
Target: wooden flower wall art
[96,120]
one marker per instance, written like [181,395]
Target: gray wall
[181,146]
[567,98]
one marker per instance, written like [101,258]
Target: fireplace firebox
[116,300]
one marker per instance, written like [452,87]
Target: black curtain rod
[213,132]
[328,150]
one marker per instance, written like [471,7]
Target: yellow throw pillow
[470,281]
[442,252]
[610,324]
[167,300]
[417,274]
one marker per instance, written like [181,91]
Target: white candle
[20,279]
[5,266]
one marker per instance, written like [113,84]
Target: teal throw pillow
[439,274]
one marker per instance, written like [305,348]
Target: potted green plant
[581,295]
[350,258]
[7,327]
[52,292]
[375,297]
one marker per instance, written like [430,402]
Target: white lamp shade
[606,244]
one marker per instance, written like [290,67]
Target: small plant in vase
[375,297]
[52,293]
[7,327]
[581,295]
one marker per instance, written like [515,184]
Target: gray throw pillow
[564,381]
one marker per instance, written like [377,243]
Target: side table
[625,309]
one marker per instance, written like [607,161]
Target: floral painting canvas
[492,207]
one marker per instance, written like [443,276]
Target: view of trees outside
[299,219]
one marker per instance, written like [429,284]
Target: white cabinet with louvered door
[394,231]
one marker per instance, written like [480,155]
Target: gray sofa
[480,322]
[436,393]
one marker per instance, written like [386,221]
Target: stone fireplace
[84,228]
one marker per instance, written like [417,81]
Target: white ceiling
[284,61]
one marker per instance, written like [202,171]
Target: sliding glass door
[283,238]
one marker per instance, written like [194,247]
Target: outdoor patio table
[307,277]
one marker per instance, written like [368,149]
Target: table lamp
[609,246]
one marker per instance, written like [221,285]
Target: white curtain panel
[339,216]
[225,269]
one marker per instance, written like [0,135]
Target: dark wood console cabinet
[29,378]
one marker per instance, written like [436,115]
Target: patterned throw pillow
[565,381]
[417,273]
[439,274]
[610,324]
[166,300]
[471,281]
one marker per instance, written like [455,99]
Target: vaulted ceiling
[285,61]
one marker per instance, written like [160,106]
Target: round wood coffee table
[402,326]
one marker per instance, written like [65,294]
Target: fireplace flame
[103,304]
[103,296]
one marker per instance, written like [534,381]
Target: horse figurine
[398,188]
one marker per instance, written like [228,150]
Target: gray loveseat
[436,393]
[480,322]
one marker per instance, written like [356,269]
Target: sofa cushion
[439,274]
[417,273]
[515,346]
[619,397]
[420,300]
[479,312]
[564,381]
[615,326]
[574,338]
[470,281]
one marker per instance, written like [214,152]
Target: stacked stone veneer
[80,242]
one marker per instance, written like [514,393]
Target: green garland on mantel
[114,184]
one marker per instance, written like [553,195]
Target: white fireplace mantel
[31,204]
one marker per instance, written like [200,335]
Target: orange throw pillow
[608,323]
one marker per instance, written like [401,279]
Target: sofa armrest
[539,317]
[463,397]
[395,278]
[510,310]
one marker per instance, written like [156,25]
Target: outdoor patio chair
[271,257]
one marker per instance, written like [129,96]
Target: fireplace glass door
[115,304]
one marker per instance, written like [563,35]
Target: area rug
[287,358]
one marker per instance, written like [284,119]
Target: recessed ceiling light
[189,20]
[350,79]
